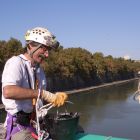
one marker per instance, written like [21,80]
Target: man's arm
[19,93]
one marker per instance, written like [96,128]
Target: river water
[109,111]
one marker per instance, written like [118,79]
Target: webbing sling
[36,87]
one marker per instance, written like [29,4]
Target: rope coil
[40,113]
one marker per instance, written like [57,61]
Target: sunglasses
[45,48]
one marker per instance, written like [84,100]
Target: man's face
[40,54]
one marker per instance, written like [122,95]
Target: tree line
[73,68]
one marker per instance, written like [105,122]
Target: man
[21,77]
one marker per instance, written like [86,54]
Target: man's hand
[57,99]
[61,97]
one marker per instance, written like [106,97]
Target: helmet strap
[32,52]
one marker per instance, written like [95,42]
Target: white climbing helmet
[42,36]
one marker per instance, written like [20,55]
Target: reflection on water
[109,111]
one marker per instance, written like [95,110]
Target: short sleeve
[12,73]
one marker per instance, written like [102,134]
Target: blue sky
[108,26]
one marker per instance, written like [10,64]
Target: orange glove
[57,99]
[60,99]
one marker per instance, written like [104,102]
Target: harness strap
[29,81]
[9,126]
[33,115]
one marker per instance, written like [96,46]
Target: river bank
[100,86]
[92,87]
